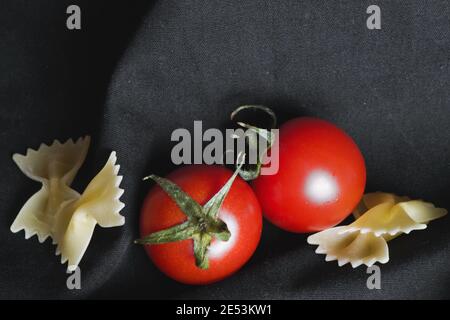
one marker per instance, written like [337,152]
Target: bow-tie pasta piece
[59,212]
[99,204]
[54,166]
[350,247]
[390,218]
[380,218]
[420,211]
[370,200]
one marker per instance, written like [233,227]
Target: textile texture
[137,70]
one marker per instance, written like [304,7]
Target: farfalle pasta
[59,212]
[380,218]
[54,166]
[370,200]
[355,247]
[393,219]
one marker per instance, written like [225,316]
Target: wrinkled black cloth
[137,70]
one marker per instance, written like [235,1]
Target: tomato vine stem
[252,171]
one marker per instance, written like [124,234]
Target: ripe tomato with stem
[321,174]
[200,224]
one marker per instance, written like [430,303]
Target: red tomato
[240,211]
[321,177]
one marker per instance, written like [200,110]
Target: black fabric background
[139,69]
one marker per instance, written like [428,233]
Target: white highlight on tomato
[218,248]
[321,187]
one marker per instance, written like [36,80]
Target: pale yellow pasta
[99,204]
[59,212]
[381,218]
[55,166]
[350,247]
[370,200]
[392,217]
